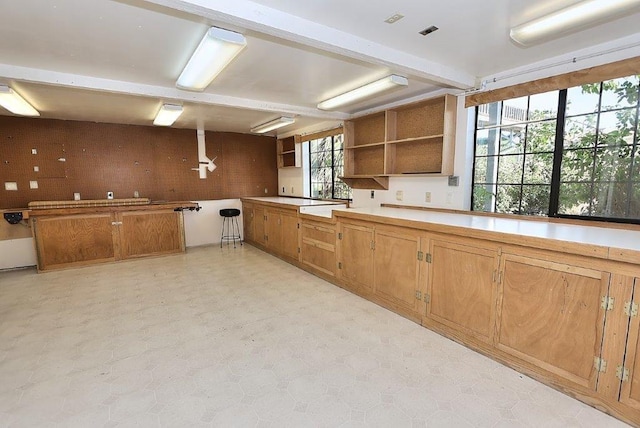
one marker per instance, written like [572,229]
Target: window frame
[558,154]
[333,166]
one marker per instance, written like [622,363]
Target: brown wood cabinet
[629,373]
[81,239]
[398,273]
[551,315]
[145,233]
[274,229]
[74,240]
[248,222]
[462,286]
[318,247]
[355,256]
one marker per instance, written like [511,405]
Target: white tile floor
[224,337]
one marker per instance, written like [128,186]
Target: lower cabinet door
[462,287]
[397,269]
[630,391]
[74,240]
[259,225]
[289,235]
[551,315]
[356,256]
[248,217]
[144,233]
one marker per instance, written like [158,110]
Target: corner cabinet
[415,139]
[289,152]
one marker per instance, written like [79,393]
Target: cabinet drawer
[319,233]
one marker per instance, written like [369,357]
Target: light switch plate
[33,184]
[10,185]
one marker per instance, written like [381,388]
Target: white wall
[291,182]
[442,195]
[204,227]
[16,253]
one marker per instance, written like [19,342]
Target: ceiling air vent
[428,30]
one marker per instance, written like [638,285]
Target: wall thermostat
[109,195]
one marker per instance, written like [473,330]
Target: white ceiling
[117,61]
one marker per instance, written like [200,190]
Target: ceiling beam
[46,77]
[256,17]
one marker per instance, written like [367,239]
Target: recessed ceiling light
[428,30]
[394,18]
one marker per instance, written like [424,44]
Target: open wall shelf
[289,152]
[416,139]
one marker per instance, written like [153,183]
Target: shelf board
[410,140]
[364,146]
[418,174]
[372,182]
[288,151]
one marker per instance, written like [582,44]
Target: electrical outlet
[399,195]
[109,195]
[36,169]
[427,196]
[266,190]
[283,191]
[33,185]
[372,194]
[292,190]
[34,151]
[10,185]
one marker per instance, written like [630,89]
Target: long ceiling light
[216,50]
[13,102]
[579,16]
[373,88]
[273,124]
[167,114]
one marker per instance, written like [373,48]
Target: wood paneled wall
[94,158]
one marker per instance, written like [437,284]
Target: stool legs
[230,230]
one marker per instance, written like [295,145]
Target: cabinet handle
[116,223]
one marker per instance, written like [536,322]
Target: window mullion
[558,153]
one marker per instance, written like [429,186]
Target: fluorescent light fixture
[373,88]
[576,17]
[273,124]
[216,50]
[13,102]
[167,114]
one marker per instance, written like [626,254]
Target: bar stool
[232,230]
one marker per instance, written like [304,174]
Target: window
[568,153]
[326,160]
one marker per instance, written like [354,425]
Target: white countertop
[590,235]
[297,202]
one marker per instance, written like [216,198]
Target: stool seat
[230,226]
[229,212]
